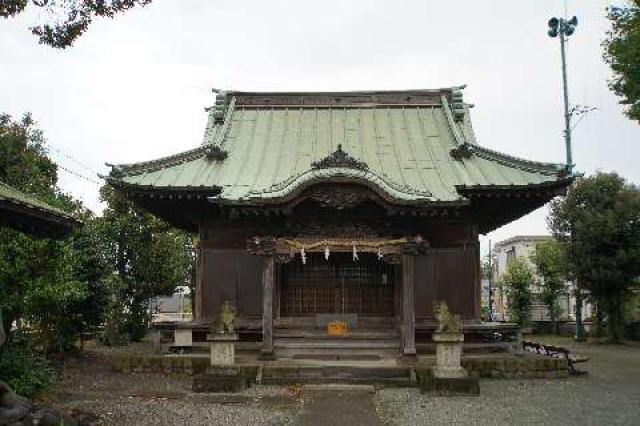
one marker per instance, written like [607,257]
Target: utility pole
[564,28]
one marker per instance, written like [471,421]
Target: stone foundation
[506,366]
[449,386]
[222,379]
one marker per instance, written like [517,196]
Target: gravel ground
[608,395]
[89,385]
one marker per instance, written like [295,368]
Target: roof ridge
[336,92]
[519,162]
[121,170]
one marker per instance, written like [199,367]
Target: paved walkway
[338,405]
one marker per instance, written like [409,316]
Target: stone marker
[448,377]
[222,376]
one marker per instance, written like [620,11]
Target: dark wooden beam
[268,282]
[199,282]
[408,308]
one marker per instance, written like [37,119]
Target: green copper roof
[409,146]
[27,213]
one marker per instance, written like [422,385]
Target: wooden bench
[556,352]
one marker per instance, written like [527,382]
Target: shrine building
[359,206]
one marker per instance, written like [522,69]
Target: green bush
[26,371]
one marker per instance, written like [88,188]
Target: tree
[39,278]
[598,222]
[149,257]
[517,281]
[622,53]
[69,19]
[548,258]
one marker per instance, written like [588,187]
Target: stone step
[339,344]
[387,383]
[337,357]
[384,376]
[353,334]
[336,353]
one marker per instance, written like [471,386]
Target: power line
[78,175]
[71,158]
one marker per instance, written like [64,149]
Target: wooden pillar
[268,284]
[199,302]
[408,308]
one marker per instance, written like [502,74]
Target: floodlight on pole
[564,28]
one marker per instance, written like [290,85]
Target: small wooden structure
[366,204]
[28,214]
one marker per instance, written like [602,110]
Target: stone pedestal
[448,352]
[223,348]
[183,337]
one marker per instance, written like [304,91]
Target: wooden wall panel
[425,291]
[448,275]
[249,279]
[231,275]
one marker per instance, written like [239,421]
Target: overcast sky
[134,88]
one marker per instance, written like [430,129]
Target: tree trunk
[613,322]
[579,326]
[600,322]
[3,336]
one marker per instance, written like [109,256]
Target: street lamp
[564,28]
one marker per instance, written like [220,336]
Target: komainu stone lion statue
[226,318]
[447,322]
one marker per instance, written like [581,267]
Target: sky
[135,87]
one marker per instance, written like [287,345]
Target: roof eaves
[19,198]
[467,150]
[211,151]
[551,184]
[122,185]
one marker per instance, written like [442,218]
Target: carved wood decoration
[215,153]
[284,258]
[415,247]
[339,158]
[338,198]
[461,151]
[285,247]
[262,246]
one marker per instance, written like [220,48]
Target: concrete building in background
[523,246]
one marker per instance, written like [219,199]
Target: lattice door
[340,285]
